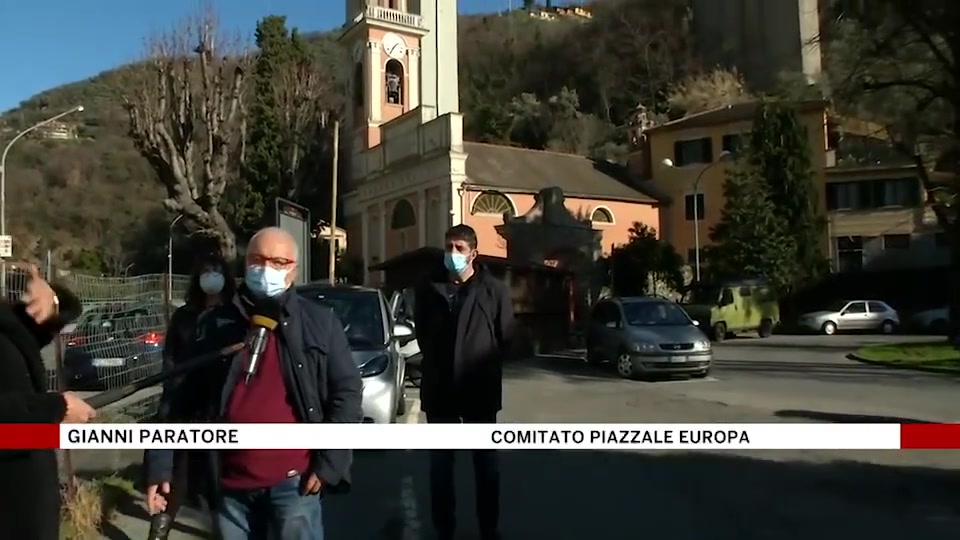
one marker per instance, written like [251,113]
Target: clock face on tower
[393,45]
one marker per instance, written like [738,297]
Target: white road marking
[408,504]
[413,412]
[682,381]
[408,492]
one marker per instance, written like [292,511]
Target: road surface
[759,495]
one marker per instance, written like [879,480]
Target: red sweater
[263,401]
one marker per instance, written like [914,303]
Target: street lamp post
[725,156]
[3,162]
[3,186]
[169,299]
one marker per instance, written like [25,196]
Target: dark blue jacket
[320,376]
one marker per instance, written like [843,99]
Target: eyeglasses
[279,263]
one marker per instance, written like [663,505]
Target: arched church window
[394,82]
[492,203]
[403,215]
[601,215]
[358,85]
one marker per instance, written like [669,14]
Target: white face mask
[211,282]
[266,281]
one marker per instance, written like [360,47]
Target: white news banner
[483,436]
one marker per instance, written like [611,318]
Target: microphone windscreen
[266,313]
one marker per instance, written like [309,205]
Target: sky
[47,43]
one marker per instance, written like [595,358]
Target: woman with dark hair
[195,329]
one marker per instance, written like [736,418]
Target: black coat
[29,480]
[462,365]
[193,332]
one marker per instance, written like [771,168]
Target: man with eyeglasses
[305,374]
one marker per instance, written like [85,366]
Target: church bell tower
[383,38]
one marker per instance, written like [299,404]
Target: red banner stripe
[29,436]
[929,436]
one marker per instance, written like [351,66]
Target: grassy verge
[90,504]
[943,356]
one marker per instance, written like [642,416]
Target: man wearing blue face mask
[464,321]
[305,374]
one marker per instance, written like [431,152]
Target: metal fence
[116,340]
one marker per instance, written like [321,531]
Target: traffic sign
[6,246]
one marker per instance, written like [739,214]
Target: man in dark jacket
[29,482]
[305,374]
[464,321]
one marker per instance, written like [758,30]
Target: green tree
[899,65]
[84,261]
[779,153]
[287,126]
[750,240]
[643,258]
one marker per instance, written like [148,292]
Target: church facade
[412,175]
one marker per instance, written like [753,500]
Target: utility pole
[332,268]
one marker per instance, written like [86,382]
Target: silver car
[647,336]
[375,342]
[848,315]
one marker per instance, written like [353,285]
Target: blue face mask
[455,262]
[265,281]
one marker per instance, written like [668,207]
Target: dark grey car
[646,336]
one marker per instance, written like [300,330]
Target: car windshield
[654,314]
[359,313]
[704,295]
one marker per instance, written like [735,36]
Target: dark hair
[195,295]
[464,233]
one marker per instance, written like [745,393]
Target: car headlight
[375,366]
[644,347]
[701,346]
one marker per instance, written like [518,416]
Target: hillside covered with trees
[566,85]
[105,200]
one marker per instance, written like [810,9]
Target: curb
[924,369]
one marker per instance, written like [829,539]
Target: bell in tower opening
[393,80]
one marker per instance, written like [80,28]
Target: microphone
[264,319]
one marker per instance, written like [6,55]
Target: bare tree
[187,119]
[303,96]
[704,91]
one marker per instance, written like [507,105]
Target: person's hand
[39,298]
[311,484]
[78,411]
[157,497]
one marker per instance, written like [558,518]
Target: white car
[932,320]
[852,315]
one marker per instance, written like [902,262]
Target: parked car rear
[113,347]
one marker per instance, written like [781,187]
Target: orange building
[877,215]
[685,162]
